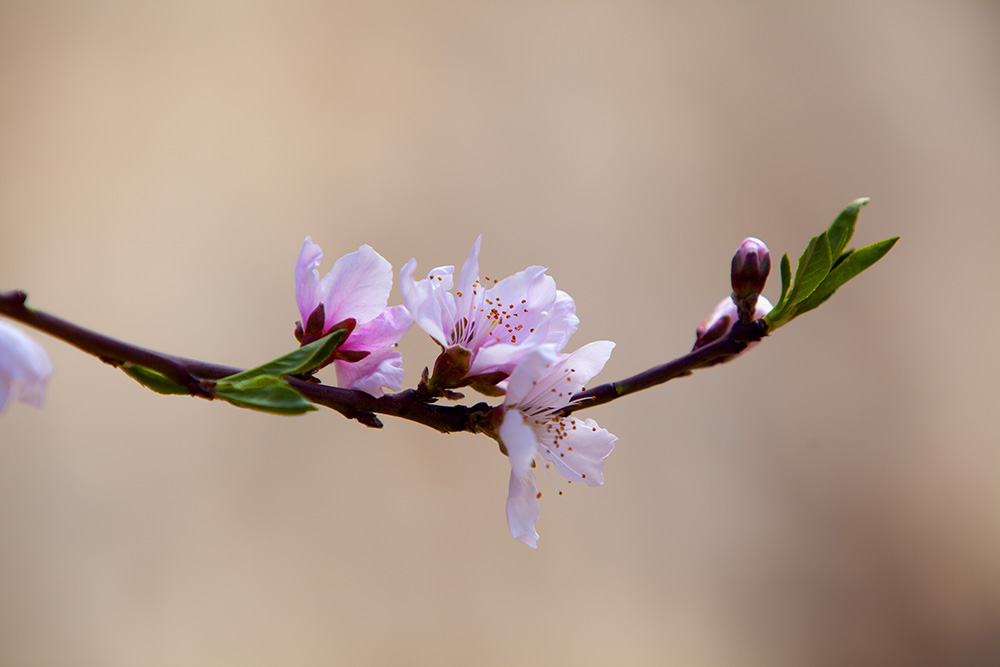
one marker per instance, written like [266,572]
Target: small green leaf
[786,279]
[298,361]
[265,393]
[842,229]
[154,380]
[814,266]
[853,264]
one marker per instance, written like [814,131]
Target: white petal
[519,440]
[580,454]
[307,278]
[581,366]
[470,270]
[525,379]
[421,300]
[24,367]
[382,368]
[357,286]
[522,508]
[563,321]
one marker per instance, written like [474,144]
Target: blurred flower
[24,368]
[721,321]
[356,288]
[487,329]
[542,385]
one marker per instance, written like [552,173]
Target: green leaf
[814,266]
[298,361]
[154,380]
[853,264]
[842,229]
[265,393]
[786,280]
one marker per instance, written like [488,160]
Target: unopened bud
[751,266]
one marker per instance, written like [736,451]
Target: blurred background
[831,498]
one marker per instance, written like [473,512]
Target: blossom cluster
[500,337]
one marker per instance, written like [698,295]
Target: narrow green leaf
[265,393]
[851,266]
[774,317]
[297,361]
[844,255]
[154,380]
[814,265]
[786,278]
[842,229]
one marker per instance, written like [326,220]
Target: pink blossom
[498,323]
[532,429]
[357,287]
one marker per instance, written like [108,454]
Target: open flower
[531,428]
[24,368]
[356,288]
[488,328]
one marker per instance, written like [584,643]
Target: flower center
[483,319]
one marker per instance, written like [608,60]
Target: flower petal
[563,321]
[24,367]
[382,368]
[579,455]
[470,270]
[522,508]
[384,331]
[519,440]
[423,300]
[357,286]
[525,378]
[307,278]
[534,385]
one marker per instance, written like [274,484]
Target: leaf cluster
[824,266]
[263,388]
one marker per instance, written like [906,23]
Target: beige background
[832,498]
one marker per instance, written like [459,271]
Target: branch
[198,376]
[723,349]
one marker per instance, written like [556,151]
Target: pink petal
[384,331]
[382,368]
[357,286]
[307,278]
[422,300]
[470,270]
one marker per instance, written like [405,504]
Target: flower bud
[751,265]
[722,319]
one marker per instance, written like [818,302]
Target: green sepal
[842,229]
[153,380]
[265,393]
[302,360]
[853,264]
